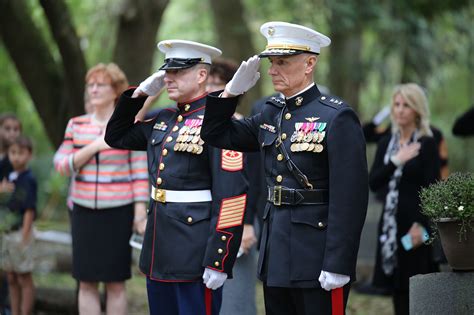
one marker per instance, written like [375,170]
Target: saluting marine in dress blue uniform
[198,193]
[315,166]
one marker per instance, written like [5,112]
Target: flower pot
[459,251]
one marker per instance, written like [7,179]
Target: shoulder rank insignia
[232,212]
[277,101]
[201,116]
[160,126]
[332,100]
[232,161]
[312,119]
[268,127]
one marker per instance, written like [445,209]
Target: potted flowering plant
[450,204]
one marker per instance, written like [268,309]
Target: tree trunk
[235,40]
[54,97]
[136,39]
[345,74]
[73,61]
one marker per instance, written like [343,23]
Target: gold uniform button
[187,107]
[180,118]
[190,220]
[320,224]
[224,238]
[283,136]
[220,250]
[279,178]
[175,128]
[162,166]
[165,152]
[159,181]
[216,263]
[287,116]
[280,157]
[169,139]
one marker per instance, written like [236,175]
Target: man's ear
[311,62]
[202,75]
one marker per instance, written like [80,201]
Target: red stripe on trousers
[208,300]
[337,301]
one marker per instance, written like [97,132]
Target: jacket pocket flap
[268,138]
[157,137]
[190,214]
[316,216]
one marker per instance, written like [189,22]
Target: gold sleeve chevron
[232,212]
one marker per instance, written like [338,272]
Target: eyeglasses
[98,85]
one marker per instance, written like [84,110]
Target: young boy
[17,257]
[10,128]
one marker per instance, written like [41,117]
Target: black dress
[417,173]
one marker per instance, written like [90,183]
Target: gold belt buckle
[277,195]
[160,195]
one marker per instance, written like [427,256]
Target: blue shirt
[23,197]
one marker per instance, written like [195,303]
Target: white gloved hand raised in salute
[152,85]
[213,279]
[330,281]
[245,77]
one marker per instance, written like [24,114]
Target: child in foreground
[18,212]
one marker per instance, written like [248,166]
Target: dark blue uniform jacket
[299,241]
[183,238]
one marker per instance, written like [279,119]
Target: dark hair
[23,142]
[6,116]
[224,69]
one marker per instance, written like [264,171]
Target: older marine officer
[314,158]
[198,193]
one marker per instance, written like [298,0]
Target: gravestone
[442,293]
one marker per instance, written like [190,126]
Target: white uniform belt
[164,195]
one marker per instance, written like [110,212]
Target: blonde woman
[406,160]
[109,192]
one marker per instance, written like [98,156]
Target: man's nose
[271,70]
[167,78]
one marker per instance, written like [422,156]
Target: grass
[359,304]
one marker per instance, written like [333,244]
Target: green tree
[55,81]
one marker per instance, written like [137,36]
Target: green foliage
[444,47]
[452,198]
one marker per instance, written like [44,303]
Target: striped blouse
[111,178]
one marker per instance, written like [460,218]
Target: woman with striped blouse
[109,193]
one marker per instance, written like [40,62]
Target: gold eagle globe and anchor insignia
[271,31]
[299,101]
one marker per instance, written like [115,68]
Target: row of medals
[310,142]
[189,140]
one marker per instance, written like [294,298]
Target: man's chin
[173,95]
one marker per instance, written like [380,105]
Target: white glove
[153,84]
[330,281]
[381,115]
[245,77]
[213,279]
